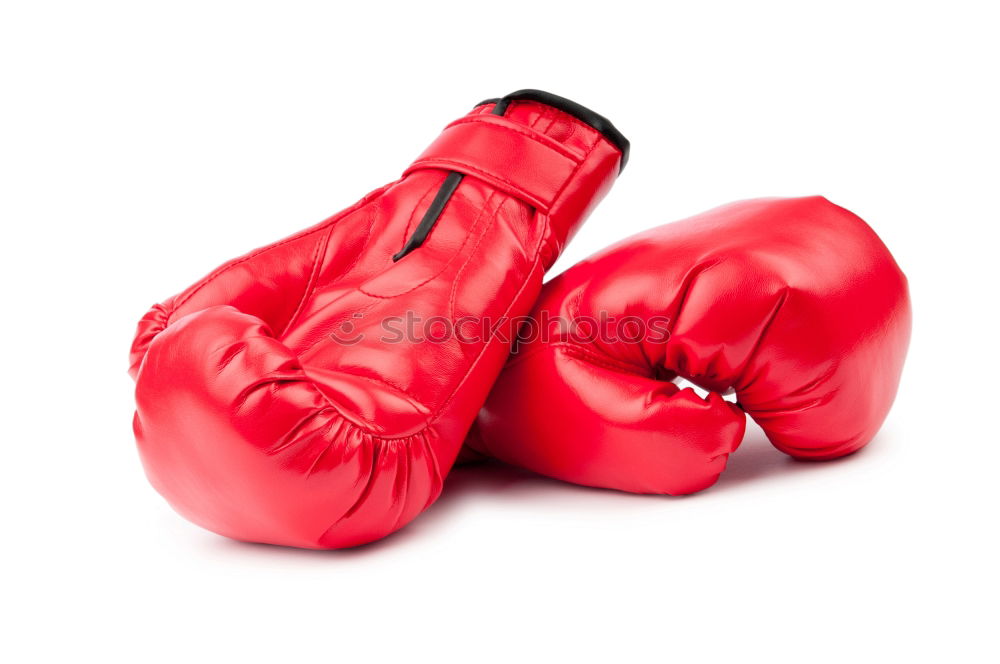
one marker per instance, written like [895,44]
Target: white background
[143,144]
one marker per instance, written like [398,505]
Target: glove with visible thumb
[269,405]
[794,304]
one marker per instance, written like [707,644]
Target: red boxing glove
[279,400]
[793,303]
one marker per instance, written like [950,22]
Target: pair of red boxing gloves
[316,392]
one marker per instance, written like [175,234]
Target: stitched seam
[361,252]
[367,200]
[468,260]
[548,142]
[454,257]
[572,175]
[574,122]
[535,264]
[544,113]
[433,162]
[313,275]
[551,117]
[457,253]
[583,354]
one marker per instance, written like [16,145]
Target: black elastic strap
[436,207]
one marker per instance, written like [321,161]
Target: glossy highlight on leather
[256,421]
[795,304]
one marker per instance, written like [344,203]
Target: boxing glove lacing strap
[539,194]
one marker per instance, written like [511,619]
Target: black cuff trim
[582,113]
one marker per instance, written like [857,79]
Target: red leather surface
[529,165]
[793,303]
[256,423]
